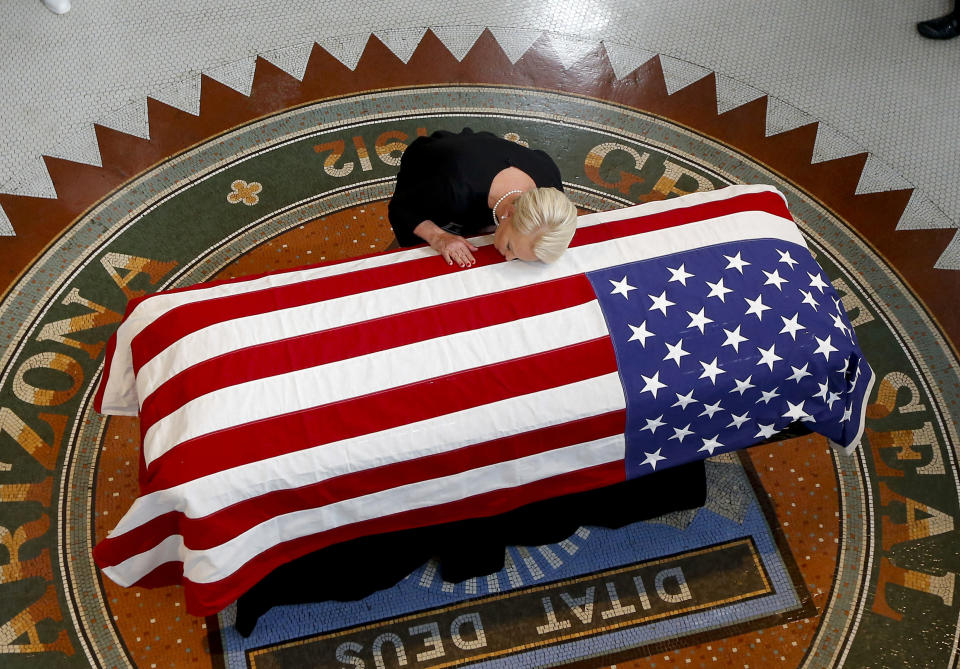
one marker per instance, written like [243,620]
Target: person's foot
[944,27]
[58,6]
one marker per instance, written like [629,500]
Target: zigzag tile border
[878,176]
[875,201]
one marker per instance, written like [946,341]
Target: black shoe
[944,27]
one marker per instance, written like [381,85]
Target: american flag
[284,413]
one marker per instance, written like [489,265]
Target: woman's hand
[453,248]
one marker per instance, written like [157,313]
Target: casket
[294,411]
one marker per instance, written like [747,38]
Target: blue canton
[723,347]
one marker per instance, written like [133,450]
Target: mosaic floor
[801,557]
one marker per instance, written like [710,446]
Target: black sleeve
[420,195]
[549,173]
[417,199]
[405,213]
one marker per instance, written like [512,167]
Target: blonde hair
[550,217]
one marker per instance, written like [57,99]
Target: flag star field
[714,350]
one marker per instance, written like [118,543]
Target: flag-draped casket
[284,413]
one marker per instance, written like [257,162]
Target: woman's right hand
[454,249]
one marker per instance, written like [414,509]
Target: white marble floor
[857,67]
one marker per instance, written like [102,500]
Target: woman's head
[538,226]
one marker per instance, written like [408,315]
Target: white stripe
[243,332]
[119,395]
[337,381]
[214,564]
[209,494]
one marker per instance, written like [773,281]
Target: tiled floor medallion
[801,557]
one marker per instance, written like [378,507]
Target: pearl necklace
[505,196]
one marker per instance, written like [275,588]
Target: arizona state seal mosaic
[800,557]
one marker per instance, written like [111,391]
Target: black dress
[446,177]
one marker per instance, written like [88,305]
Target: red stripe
[320,348]
[184,319]
[228,523]
[107,362]
[165,575]
[251,442]
[208,598]
[771,203]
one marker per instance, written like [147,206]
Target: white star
[710,444]
[825,347]
[808,299]
[652,425]
[652,384]
[856,378]
[774,278]
[768,356]
[756,307]
[833,398]
[847,414]
[795,411]
[621,287]
[681,433]
[717,290]
[766,431]
[743,386]
[684,400]
[739,420]
[734,339]
[817,281]
[711,370]
[822,393]
[799,373]
[846,366]
[653,458]
[839,324]
[710,409]
[698,320]
[661,302]
[640,333]
[679,274]
[767,396]
[736,263]
[791,326]
[676,352]
[785,257]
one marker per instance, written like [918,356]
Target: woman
[454,185]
